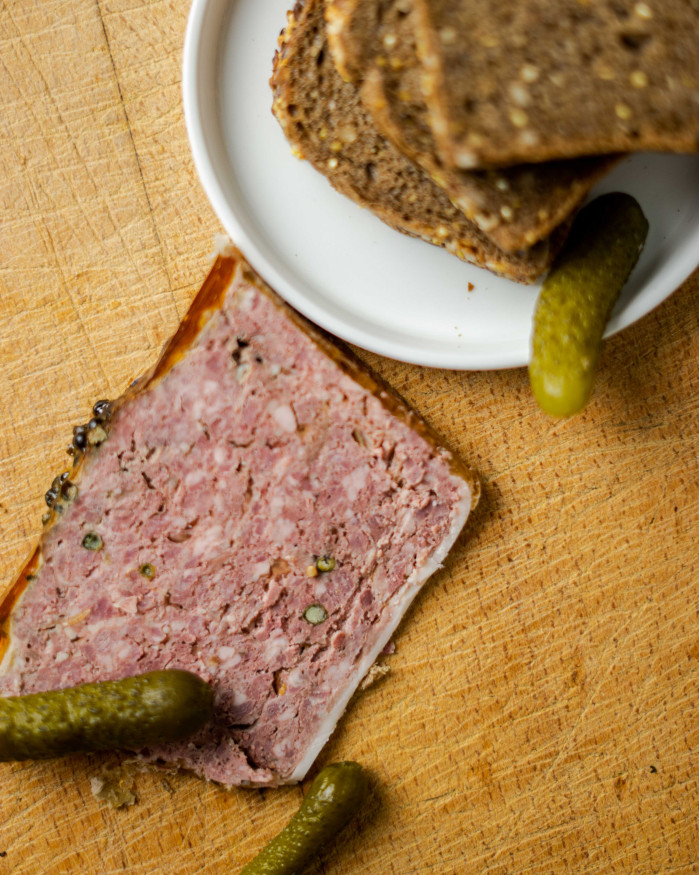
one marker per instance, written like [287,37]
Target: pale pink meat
[252,457]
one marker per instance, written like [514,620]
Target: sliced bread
[516,207]
[347,23]
[326,123]
[541,80]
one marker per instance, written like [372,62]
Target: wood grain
[541,711]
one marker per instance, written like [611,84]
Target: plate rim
[672,275]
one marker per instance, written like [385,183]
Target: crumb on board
[113,786]
[376,672]
[471,287]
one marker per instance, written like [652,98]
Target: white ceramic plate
[342,267]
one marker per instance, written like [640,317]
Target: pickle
[132,713]
[577,299]
[335,796]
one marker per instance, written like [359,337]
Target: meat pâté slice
[258,510]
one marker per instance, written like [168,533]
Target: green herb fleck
[315,614]
[325,563]
[147,570]
[92,541]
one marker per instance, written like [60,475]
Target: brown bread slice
[324,120]
[516,207]
[347,23]
[540,80]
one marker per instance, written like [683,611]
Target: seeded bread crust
[517,206]
[346,23]
[541,80]
[324,120]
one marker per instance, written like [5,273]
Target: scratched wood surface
[541,711]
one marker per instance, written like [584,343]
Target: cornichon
[577,299]
[334,797]
[128,714]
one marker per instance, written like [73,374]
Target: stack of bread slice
[482,125]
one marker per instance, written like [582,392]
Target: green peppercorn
[325,563]
[92,541]
[147,570]
[315,614]
[102,410]
[80,437]
[70,491]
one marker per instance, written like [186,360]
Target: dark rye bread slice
[347,23]
[324,120]
[540,80]
[516,207]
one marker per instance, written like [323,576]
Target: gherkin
[336,795]
[577,299]
[151,708]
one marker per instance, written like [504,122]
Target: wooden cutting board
[541,710]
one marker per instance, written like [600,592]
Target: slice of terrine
[258,510]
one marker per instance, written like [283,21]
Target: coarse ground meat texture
[253,455]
